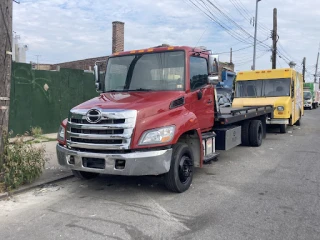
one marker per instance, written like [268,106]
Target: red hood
[146,103]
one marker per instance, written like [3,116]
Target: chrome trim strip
[277,121]
[99,136]
[97,146]
[100,126]
[105,113]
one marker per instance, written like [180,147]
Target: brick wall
[117,36]
[85,64]
[226,65]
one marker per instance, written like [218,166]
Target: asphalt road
[271,192]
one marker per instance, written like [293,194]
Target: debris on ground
[46,188]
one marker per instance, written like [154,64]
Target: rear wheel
[256,133]
[298,123]
[180,175]
[245,138]
[283,128]
[84,175]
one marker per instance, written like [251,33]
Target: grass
[36,131]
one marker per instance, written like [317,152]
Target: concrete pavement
[52,172]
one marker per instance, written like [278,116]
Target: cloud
[67,30]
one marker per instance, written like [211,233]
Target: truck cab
[153,103]
[311,95]
[307,99]
[281,88]
[157,114]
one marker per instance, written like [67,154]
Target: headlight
[158,135]
[61,134]
[280,108]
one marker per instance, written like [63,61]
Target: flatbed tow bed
[235,126]
[228,116]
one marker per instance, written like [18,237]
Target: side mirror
[97,78]
[213,77]
[213,63]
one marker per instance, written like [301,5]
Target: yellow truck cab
[281,88]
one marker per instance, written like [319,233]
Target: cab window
[198,72]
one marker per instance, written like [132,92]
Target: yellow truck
[281,88]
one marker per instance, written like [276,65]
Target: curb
[27,188]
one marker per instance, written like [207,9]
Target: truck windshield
[306,95]
[263,88]
[146,72]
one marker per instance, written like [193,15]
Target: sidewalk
[52,171]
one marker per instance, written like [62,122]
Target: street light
[255,37]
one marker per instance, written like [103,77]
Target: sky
[68,30]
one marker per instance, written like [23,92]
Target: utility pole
[38,61]
[230,55]
[304,69]
[255,37]
[274,39]
[316,72]
[5,68]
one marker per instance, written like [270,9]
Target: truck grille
[107,121]
[100,129]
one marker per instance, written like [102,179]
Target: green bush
[36,131]
[23,162]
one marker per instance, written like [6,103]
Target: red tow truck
[157,114]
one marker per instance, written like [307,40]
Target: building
[117,46]
[18,50]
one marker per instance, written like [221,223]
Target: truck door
[201,93]
[298,96]
[293,96]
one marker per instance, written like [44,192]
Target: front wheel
[180,175]
[283,128]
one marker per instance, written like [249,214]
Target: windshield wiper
[140,89]
[122,90]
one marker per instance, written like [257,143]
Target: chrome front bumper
[277,121]
[136,163]
[308,105]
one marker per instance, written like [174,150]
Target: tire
[256,133]
[84,175]
[298,123]
[180,175]
[283,128]
[245,138]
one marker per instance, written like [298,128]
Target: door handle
[209,101]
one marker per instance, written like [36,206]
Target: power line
[229,31]
[244,13]
[228,18]
[206,9]
[261,25]
[241,63]
[243,10]
[239,49]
